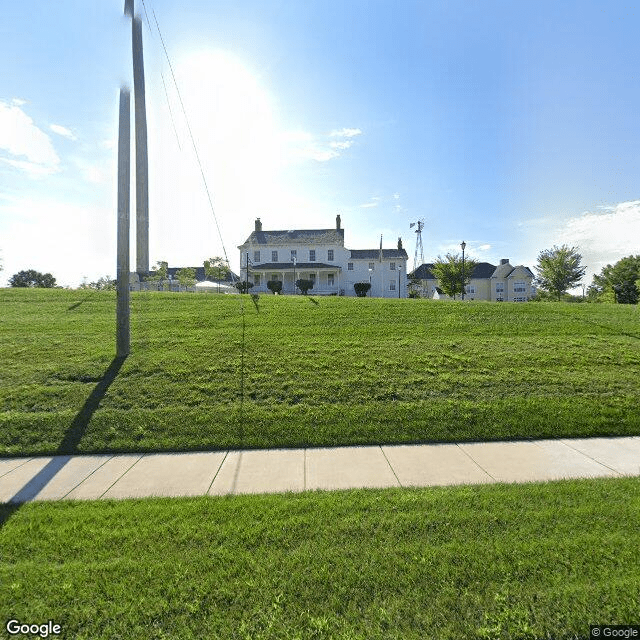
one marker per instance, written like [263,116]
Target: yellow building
[502,283]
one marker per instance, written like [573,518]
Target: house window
[274,256]
[372,266]
[330,279]
[471,288]
[294,253]
[275,276]
[519,287]
[330,254]
[392,285]
[392,266]
[256,280]
[519,299]
[256,256]
[349,266]
[312,277]
[312,255]
[499,287]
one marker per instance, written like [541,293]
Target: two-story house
[502,283]
[319,255]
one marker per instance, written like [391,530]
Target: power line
[193,141]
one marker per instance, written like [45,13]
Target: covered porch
[326,278]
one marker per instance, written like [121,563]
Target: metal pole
[123,335]
[463,245]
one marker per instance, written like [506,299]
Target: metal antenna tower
[419,248]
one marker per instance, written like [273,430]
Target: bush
[362,288]
[304,285]
[275,286]
[244,286]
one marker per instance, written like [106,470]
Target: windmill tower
[419,248]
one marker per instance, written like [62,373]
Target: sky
[510,125]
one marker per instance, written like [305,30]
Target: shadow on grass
[67,447]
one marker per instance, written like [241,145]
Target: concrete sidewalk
[280,470]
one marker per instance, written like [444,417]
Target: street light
[463,245]
[294,260]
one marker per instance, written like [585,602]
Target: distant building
[171,283]
[502,283]
[320,255]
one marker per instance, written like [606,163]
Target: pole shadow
[67,447]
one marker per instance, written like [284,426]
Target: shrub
[275,286]
[362,288]
[304,285]
[244,286]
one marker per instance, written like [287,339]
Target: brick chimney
[504,261]
[399,244]
[258,225]
[338,222]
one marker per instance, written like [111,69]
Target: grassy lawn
[323,371]
[493,561]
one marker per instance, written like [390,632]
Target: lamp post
[463,245]
[294,260]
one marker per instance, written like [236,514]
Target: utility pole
[142,157]
[123,334]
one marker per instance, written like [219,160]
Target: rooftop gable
[296,236]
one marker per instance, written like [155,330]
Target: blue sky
[510,125]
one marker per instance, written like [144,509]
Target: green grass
[494,561]
[323,371]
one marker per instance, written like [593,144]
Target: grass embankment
[494,561]
[323,371]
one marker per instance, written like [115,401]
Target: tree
[160,273]
[559,269]
[217,269]
[304,285]
[620,280]
[186,277]
[362,288]
[449,272]
[31,278]
[105,283]
[275,286]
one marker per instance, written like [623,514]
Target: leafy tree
[449,272]
[243,286]
[160,273]
[559,269]
[31,278]
[217,269]
[362,288]
[275,286]
[105,283]
[304,285]
[186,277]
[620,279]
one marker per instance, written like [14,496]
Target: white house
[320,255]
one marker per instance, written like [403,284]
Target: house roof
[374,254]
[297,236]
[288,266]
[481,270]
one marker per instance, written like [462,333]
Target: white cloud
[345,133]
[484,247]
[341,145]
[20,138]
[18,102]
[62,131]
[396,196]
[603,237]
[368,205]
